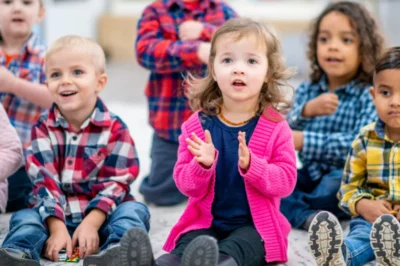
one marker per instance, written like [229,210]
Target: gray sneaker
[385,240]
[8,258]
[201,251]
[107,257]
[136,248]
[325,239]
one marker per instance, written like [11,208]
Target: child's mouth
[18,20]
[238,83]
[333,60]
[68,93]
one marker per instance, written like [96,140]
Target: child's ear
[212,72]
[42,13]
[101,82]
[372,92]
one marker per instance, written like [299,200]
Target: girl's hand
[244,153]
[204,152]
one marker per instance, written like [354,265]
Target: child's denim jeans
[357,249]
[29,234]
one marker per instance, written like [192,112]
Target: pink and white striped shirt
[10,155]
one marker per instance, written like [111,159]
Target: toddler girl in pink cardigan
[10,155]
[236,159]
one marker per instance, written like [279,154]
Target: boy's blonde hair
[205,94]
[83,44]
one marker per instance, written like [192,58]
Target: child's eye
[347,40]
[7,2]
[322,39]
[77,72]
[385,93]
[252,61]
[27,3]
[227,60]
[55,75]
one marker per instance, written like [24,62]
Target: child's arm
[41,167]
[33,92]
[86,235]
[191,178]
[59,238]
[10,147]
[333,146]
[353,187]
[161,55]
[276,177]
[120,169]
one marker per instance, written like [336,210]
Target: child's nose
[238,69]
[395,100]
[333,44]
[65,79]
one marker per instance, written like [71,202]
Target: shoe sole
[7,259]
[385,240]
[201,251]
[325,239]
[109,258]
[136,248]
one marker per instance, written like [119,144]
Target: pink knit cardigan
[271,176]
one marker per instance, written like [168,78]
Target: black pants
[243,244]
[19,188]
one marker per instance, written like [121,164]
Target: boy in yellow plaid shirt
[370,189]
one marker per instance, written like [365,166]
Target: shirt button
[74,138]
[69,162]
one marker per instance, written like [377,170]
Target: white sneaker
[385,240]
[325,239]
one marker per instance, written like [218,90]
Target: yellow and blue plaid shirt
[372,169]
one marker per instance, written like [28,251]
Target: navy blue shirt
[230,207]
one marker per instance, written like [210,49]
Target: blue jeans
[357,249]
[310,196]
[29,234]
[159,186]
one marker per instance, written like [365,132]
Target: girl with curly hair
[236,157]
[330,109]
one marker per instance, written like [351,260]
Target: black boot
[168,260]
[136,248]
[201,251]
[226,260]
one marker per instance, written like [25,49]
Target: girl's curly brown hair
[371,41]
[205,94]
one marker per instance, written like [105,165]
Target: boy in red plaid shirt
[173,38]
[22,90]
[82,161]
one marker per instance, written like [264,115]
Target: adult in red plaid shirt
[173,38]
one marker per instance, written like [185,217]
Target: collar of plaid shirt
[100,117]
[204,4]
[32,46]
[350,88]
[379,130]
